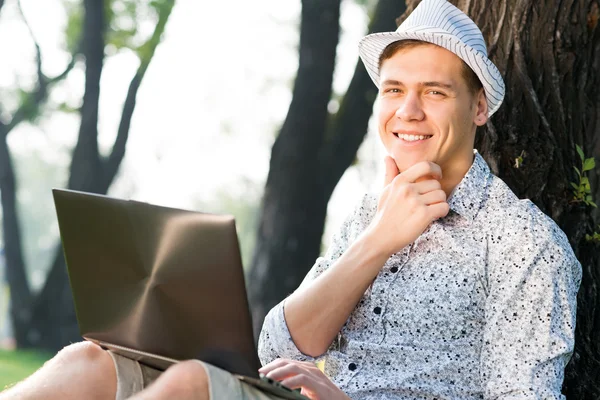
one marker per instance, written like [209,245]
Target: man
[445,286]
[420,297]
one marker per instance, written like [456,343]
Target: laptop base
[162,363]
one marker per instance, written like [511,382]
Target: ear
[481,107]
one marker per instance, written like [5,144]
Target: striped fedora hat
[440,23]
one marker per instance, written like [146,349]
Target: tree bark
[549,54]
[310,155]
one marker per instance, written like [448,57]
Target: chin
[404,161]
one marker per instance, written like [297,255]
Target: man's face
[427,112]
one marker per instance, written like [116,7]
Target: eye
[436,93]
[392,90]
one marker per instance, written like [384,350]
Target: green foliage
[28,105]
[163,9]
[122,23]
[19,364]
[73,28]
[582,192]
[125,22]
[594,237]
[67,108]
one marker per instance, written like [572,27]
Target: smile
[411,138]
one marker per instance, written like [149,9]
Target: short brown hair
[473,82]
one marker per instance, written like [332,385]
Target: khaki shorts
[133,377]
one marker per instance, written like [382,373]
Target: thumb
[391,170]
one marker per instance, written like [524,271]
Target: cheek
[384,116]
[447,123]
[387,109]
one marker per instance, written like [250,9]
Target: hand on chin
[405,161]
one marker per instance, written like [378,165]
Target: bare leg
[79,371]
[183,381]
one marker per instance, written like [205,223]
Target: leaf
[577,170]
[576,187]
[584,181]
[593,204]
[589,164]
[580,152]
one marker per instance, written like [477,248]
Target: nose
[410,109]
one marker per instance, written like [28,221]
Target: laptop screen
[160,280]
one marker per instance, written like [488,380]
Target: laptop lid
[159,280]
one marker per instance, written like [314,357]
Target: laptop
[159,284]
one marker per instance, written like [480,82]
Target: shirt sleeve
[533,279]
[275,340]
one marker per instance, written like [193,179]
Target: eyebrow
[438,84]
[391,82]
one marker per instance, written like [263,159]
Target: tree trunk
[53,323]
[549,54]
[309,156]
[15,265]
[50,321]
[291,219]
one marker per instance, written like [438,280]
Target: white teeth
[412,138]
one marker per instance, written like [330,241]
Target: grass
[18,364]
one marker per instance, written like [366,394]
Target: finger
[420,170]
[428,185]
[391,170]
[300,381]
[281,362]
[286,371]
[434,197]
[278,363]
[438,210]
[313,387]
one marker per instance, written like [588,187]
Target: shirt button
[393,270]
[377,310]
[351,366]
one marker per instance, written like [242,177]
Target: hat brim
[371,47]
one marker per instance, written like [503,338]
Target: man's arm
[530,311]
[316,312]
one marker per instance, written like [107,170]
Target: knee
[86,361]
[82,351]
[187,379]
[87,354]
[79,371]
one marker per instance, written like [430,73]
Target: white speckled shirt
[480,306]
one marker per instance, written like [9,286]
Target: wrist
[373,247]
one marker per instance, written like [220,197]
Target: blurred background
[176,103]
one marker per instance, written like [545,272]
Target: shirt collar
[467,197]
